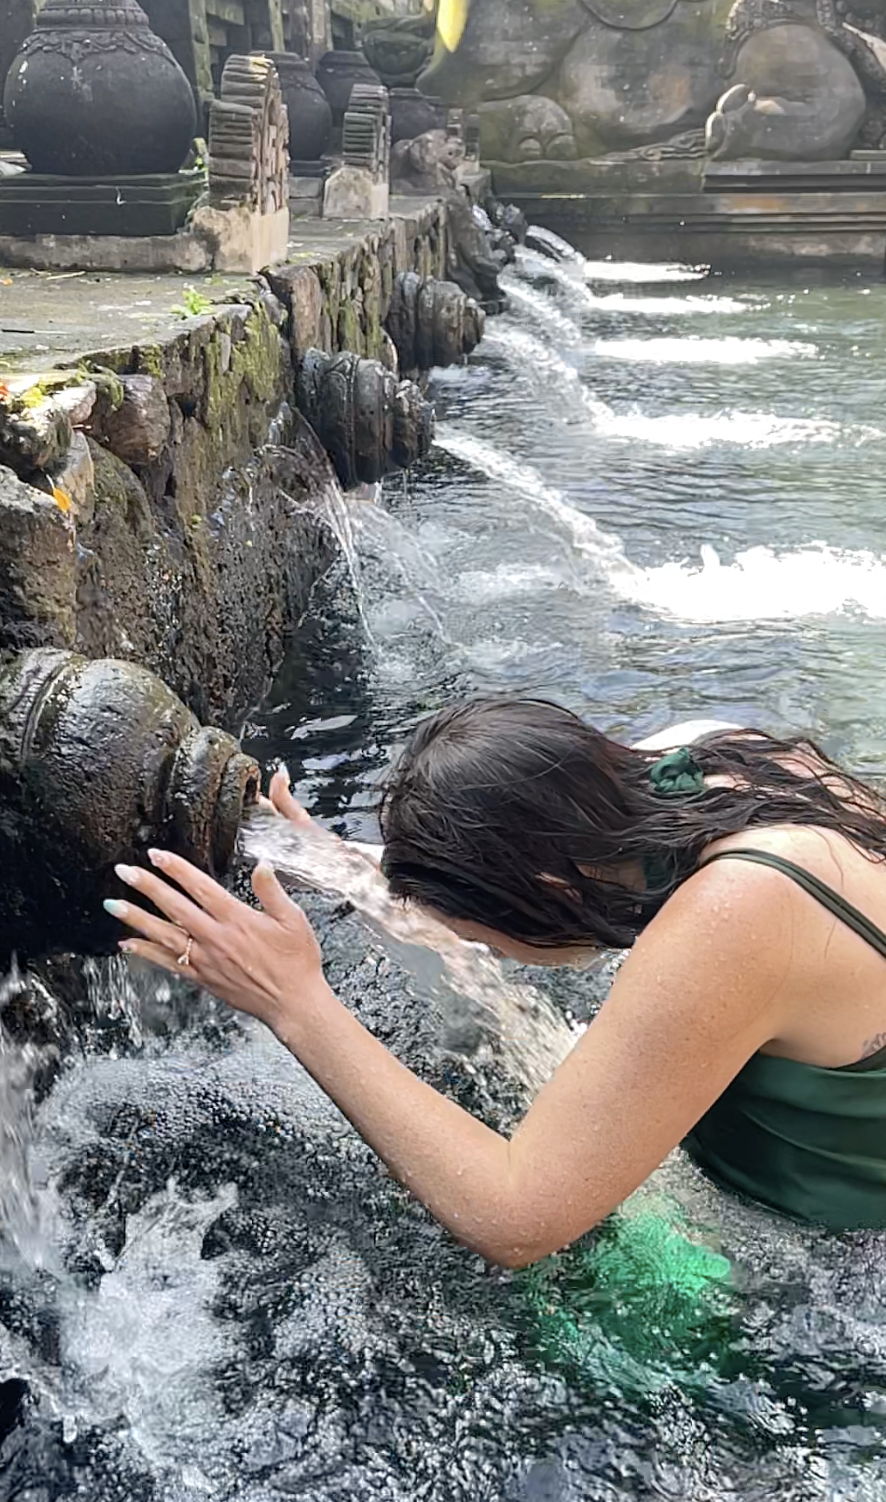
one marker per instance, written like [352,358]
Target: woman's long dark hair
[498,808]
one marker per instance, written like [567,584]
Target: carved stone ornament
[93,92]
[98,761]
[249,138]
[366,132]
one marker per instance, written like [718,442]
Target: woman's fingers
[177,907]
[211,896]
[272,897]
[170,936]
[283,801]
[157,954]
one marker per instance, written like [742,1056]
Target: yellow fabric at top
[452,18]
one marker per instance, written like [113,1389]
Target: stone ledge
[725,230]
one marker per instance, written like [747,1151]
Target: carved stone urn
[93,92]
[310,116]
[413,114]
[337,72]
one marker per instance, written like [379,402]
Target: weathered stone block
[33,437]
[139,428]
[38,601]
[354,193]
[299,289]
[75,481]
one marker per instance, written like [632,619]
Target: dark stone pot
[93,92]
[413,113]
[310,117]
[98,762]
[337,72]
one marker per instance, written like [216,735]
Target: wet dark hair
[496,806]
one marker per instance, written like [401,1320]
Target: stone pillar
[184,28]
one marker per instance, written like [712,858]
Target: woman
[749,1020]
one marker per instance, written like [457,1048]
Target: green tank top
[807,1141]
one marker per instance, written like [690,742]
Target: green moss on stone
[149,361]
[253,361]
[106,381]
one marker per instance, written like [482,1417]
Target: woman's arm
[689,1007]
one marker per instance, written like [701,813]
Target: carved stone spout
[432,322]
[369,423]
[98,761]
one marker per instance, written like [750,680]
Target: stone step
[795,177]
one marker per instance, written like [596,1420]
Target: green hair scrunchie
[676,774]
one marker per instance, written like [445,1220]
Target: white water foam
[748,430]
[762,585]
[694,350]
[574,280]
[677,306]
[759,585]
[616,271]
[680,431]
[638,271]
[531,266]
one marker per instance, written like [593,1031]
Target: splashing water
[729,350]
[760,584]
[611,271]
[535,305]
[26,1215]
[541,364]
[582,531]
[527,1033]
[763,585]
[572,282]
[141,1345]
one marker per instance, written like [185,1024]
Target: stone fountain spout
[98,762]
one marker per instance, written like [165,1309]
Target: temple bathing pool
[655,495]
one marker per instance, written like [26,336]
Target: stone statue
[398,47]
[560,80]
[426,163]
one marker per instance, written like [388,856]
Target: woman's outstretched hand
[267,963]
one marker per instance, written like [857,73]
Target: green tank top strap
[818,889]
[808,1141]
